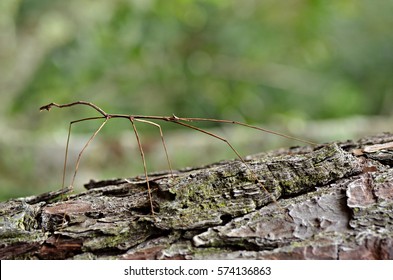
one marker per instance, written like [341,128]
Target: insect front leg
[83,149]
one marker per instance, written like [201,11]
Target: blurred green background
[321,70]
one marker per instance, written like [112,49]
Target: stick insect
[151,121]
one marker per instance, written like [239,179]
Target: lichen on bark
[201,198]
[312,202]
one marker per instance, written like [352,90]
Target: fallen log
[333,201]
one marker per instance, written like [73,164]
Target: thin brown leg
[235,151]
[245,125]
[84,148]
[144,163]
[68,142]
[162,140]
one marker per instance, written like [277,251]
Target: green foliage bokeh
[253,61]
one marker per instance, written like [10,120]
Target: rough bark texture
[334,201]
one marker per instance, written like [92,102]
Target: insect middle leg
[143,161]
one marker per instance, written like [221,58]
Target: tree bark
[333,201]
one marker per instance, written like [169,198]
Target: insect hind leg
[254,176]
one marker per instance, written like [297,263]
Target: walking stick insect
[150,120]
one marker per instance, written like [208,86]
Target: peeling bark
[334,201]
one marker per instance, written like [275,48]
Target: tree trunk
[333,201]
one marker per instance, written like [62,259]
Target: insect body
[151,120]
